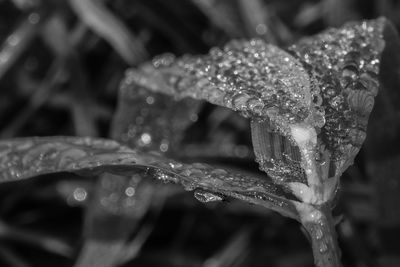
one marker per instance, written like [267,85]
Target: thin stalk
[320,226]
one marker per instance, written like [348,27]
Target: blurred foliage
[61,63]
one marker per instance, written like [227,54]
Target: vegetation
[276,123]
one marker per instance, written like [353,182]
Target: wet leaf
[251,77]
[309,106]
[27,158]
[344,65]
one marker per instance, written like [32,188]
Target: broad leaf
[309,107]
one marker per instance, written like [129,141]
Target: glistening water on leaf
[27,158]
[308,105]
[309,108]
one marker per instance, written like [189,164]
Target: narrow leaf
[27,158]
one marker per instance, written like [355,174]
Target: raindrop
[130,191]
[80,194]
[323,247]
[150,100]
[261,29]
[34,18]
[205,196]
[164,146]
[319,233]
[145,139]
[218,172]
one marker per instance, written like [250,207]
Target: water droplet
[205,196]
[34,18]
[317,100]
[130,191]
[323,247]
[239,101]
[80,194]
[150,100]
[188,185]
[145,139]
[261,29]
[319,233]
[164,145]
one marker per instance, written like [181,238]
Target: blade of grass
[18,41]
[99,19]
[42,241]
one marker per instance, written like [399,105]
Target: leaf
[252,77]
[152,121]
[309,107]
[116,209]
[344,64]
[18,41]
[383,138]
[98,18]
[27,158]
[222,14]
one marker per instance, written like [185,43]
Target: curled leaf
[344,64]
[309,106]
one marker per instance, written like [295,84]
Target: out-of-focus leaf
[223,14]
[117,207]
[383,139]
[27,158]
[16,43]
[37,100]
[11,258]
[152,121]
[234,251]
[33,239]
[256,17]
[108,26]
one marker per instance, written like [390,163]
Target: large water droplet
[205,196]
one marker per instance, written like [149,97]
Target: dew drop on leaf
[205,196]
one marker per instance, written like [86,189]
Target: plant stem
[321,229]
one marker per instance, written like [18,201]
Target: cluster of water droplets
[252,77]
[23,158]
[214,184]
[317,228]
[345,65]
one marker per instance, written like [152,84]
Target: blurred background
[61,65]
